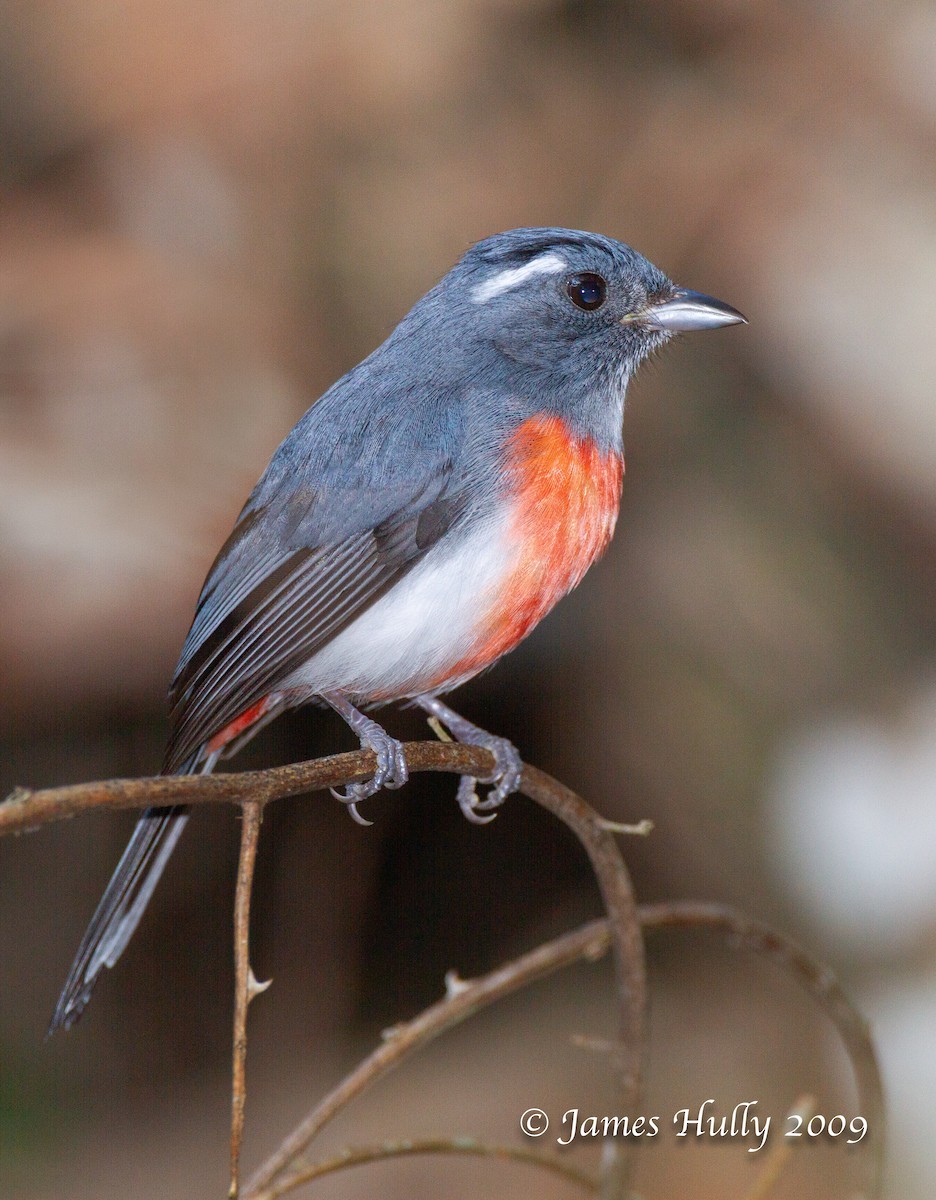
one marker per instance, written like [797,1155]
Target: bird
[414,526]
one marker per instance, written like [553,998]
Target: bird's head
[550,320]
[575,302]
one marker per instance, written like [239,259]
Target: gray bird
[415,525]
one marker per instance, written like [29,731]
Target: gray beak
[685,311]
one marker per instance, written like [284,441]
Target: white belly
[427,622]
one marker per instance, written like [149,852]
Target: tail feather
[125,899]
[134,881]
[120,908]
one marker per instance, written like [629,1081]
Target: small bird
[417,523]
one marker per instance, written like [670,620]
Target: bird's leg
[392,771]
[508,766]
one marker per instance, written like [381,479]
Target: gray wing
[270,601]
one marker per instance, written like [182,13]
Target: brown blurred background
[210,211]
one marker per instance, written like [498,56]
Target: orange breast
[566,494]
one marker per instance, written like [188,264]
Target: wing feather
[263,623]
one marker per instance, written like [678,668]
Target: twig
[245,986]
[819,982]
[355,1156]
[592,941]
[25,810]
[780,1152]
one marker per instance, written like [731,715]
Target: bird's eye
[587,290]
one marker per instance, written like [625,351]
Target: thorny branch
[286,1168]
[245,986]
[355,1156]
[462,1000]
[25,810]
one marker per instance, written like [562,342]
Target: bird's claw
[392,772]
[508,766]
[505,778]
[508,769]
[469,803]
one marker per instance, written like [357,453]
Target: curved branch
[27,810]
[355,1156]
[591,942]
[819,983]
[627,1051]
[463,1000]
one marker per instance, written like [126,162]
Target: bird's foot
[392,770]
[508,766]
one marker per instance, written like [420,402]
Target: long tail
[120,909]
[143,862]
[133,883]
[125,898]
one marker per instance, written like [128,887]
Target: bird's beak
[683,311]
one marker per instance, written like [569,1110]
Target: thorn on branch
[582,1041]
[454,984]
[254,987]
[641,829]
[439,729]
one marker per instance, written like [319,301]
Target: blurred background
[210,211]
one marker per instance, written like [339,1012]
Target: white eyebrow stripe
[503,281]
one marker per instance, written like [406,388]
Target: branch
[245,986]
[463,1000]
[780,1152]
[28,810]
[25,810]
[819,983]
[281,1172]
[627,1052]
[355,1156]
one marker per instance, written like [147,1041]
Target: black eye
[587,290]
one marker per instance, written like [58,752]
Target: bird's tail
[133,883]
[124,901]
